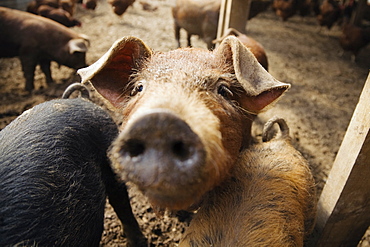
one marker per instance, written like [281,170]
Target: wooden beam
[344,205]
[233,13]
[359,13]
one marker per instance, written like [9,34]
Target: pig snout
[161,154]
[163,136]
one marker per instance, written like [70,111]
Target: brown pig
[269,199]
[68,5]
[187,114]
[330,13]
[197,17]
[354,38]
[200,17]
[58,15]
[255,47]
[33,5]
[38,40]
[120,6]
[90,4]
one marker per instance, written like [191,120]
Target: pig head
[187,114]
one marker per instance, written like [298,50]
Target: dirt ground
[325,90]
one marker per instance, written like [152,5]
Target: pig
[200,17]
[55,176]
[38,40]
[90,4]
[330,13]
[269,199]
[187,114]
[68,5]
[120,6]
[354,38]
[197,17]
[33,6]
[285,8]
[255,47]
[58,15]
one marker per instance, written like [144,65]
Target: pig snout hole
[135,147]
[178,148]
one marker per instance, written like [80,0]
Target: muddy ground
[325,89]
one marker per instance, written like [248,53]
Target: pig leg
[189,39]
[177,35]
[119,199]
[28,66]
[45,67]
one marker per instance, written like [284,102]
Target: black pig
[55,175]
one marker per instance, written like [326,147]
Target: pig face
[187,114]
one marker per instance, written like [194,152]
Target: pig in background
[55,176]
[38,41]
[354,39]
[269,199]
[120,6]
[89,4]
[285,9]
[60,12]
[187,114]
[200,17]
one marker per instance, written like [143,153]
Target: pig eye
[224,91]
[138,88]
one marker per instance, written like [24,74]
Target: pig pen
[325,90]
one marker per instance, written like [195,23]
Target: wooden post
[233,13]
[359,13]
[344,205]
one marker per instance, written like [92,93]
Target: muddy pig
[269,199]
[187,114]
[255,47]
[38,40]
[55,175]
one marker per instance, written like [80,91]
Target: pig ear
[261,88]
[111,73]
[77,45]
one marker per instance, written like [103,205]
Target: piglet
[269,199]
[187,114]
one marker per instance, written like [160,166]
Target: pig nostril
[134,147]
[181,150]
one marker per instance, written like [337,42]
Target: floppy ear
[261,88]
[111,73]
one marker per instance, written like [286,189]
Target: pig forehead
[197,61]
